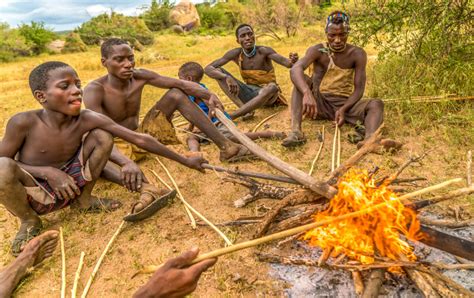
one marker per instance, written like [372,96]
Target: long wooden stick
[431,188]
[338,163]
[319,187]
[101,258]
[251,174]
[77,276]
[227,241]
[469,168]
[263,121]
[317,154]
[450,195]
[334,150]
[63,264]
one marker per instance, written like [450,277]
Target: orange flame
[376,233]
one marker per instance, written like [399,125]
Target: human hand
[62,184]
[339,117]
[174,278]
[131,176]
[195,162]
[293,58]
[310,108]
[232,85]
[213,104]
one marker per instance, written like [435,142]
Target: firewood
[469,168]
[324,256]
[263,121]
[446,223]
[77,275]
[319,187]
[300,219]
[450,195]
[457,289]
[358,282]
[374,283]
[313,163]
[448,243]
[424,286]
[251,174]
[394,176]
[237,222]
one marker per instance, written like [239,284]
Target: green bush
[74,44]
[105,26]
[12,44]
[156,17]
[220,16]
[37,35]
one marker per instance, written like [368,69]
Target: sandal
[159,202]
[24,235]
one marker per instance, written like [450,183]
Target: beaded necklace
[252,52]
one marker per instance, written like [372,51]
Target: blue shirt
[204,107]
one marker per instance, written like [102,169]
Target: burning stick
[430,188]
[450,195]
[272,237]
[317,154]
[319,187]
[101,258]
[63,264]
[186,204]
[251,174]
[263,121]
[77,275]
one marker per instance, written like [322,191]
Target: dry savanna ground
[446,136]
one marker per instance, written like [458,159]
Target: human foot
[294,138]
[28,230]
[236,153]
[40,248]
[151,200]
[101,205]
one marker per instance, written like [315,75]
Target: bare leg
[96,151]
[265,134]
[38,249]
[193,144]
[13,194]
[374,117]
[295,137]
[176,99]
[235,99]
[266,93]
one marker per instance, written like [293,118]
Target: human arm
[130,173]
[174,278]
[298,78]
[190,88]
[144,141]
[212,70]
[274,56]
[359,86]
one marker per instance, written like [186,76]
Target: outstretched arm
[287,62]
[212,69]
[144,141]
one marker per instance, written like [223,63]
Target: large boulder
[185,15]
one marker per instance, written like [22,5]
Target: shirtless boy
[118,96]
[193,72]
[256,68]
[60,152]
[335,89]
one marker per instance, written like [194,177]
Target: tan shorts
[156,125]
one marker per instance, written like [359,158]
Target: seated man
[256,68]
[173,279]
[193,72]
[60,152]
[335,89]
[118,96]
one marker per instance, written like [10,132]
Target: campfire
[372,235]
[356,217]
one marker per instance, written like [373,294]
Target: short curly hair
[193,69]
[106,47]
[40,74]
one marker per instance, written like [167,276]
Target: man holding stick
[336,87]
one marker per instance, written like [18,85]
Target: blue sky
[64,14]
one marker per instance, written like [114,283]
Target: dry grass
[168,233]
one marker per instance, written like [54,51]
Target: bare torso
[122,105]
[260,61]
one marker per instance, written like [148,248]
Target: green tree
[12,43]
[156,17]
[37,35]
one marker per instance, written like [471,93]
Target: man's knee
[376,105]
[175,94]
[272,88]
[8,170]
[102,138]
